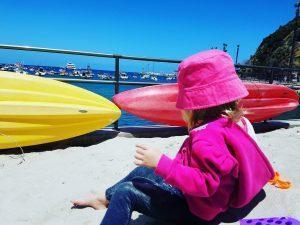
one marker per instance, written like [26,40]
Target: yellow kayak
[35,110]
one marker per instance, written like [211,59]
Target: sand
[39,190]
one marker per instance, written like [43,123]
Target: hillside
[275,49]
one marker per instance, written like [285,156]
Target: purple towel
[270,221]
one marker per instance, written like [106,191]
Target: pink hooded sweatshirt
[218,166]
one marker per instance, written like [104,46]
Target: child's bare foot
[96,202]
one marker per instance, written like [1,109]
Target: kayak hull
[35,110]
[157,103]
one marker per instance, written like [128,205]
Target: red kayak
[157,103]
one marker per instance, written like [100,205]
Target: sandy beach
[39,190]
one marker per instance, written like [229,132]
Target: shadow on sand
[230,216]
[80,141]
[138,132]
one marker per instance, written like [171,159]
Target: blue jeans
[147,193]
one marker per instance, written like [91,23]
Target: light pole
[291,62]
[237,53]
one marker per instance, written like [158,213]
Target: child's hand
[146,156]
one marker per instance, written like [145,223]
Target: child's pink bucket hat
[208,79]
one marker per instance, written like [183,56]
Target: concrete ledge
[152,131]
[268,126]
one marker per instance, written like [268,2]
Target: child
[218,166]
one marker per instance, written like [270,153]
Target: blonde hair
[202,116]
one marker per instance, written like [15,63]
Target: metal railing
[246,72]
[116,57]
[268,74]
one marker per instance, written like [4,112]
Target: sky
[154,28]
